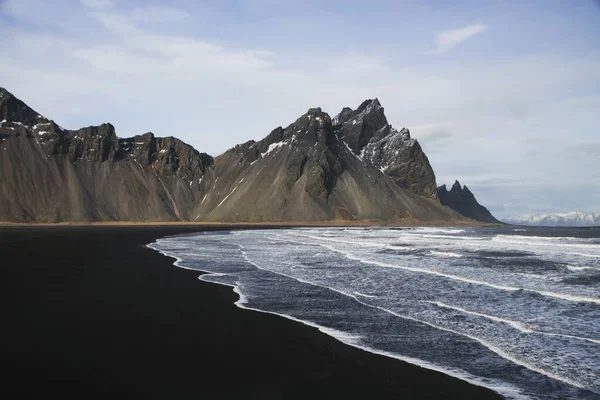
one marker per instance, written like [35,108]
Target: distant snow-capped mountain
[556,219]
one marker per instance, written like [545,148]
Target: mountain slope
[556,219]
[356,167]
[308,172]
[49,174]
[463,201]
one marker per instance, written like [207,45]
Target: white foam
[451,231]
[365,295]
[492,348]
[503,388]
[483,342]
[515,324]
[562,296]
[545,241]
[578,268]
[445,254]
[368,254]
[353,339]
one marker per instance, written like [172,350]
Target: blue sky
[504,96]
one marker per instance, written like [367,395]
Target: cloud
[97,3]
[449,39]
[432,135]
[139,50]
[153,14]
[514,127]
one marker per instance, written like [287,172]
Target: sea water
[513,309]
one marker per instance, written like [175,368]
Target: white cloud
[449,39]
[154,14]
[97,3]
[501,127]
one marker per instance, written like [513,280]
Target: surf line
[515,324]
[350,256]
[484,343]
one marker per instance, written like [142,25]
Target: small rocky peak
[171,156]
[369,105]
[146,137]
[360,126]
[275,136]
[314,126]
[456,186]
[342,116]
[93,143]
[13,110]
[405,133]
[4,94]
[442,188]
[140,148]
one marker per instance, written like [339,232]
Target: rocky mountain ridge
[463,201]
[355,166]
[370,136]
[50,174]
[308,172]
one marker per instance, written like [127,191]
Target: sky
[502,95]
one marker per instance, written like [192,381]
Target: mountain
[462,200]
[377,143]
[50,174]
[354,167]
[554,219]
[309,171]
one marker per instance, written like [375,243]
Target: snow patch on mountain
[573,218]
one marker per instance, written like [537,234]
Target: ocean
[513,309]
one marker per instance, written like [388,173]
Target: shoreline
[335,334]
[254,225]
[95,311]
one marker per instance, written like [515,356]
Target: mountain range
[556,219]
[353,167]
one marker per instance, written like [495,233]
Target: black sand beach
[91,311]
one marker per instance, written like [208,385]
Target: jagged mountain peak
[362,124]
[370,104]
[463,201]
[13,110]
[368,134]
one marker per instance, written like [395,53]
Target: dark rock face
[50,174]
[354,167]
[307,171]
[370,136]
[461,200]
